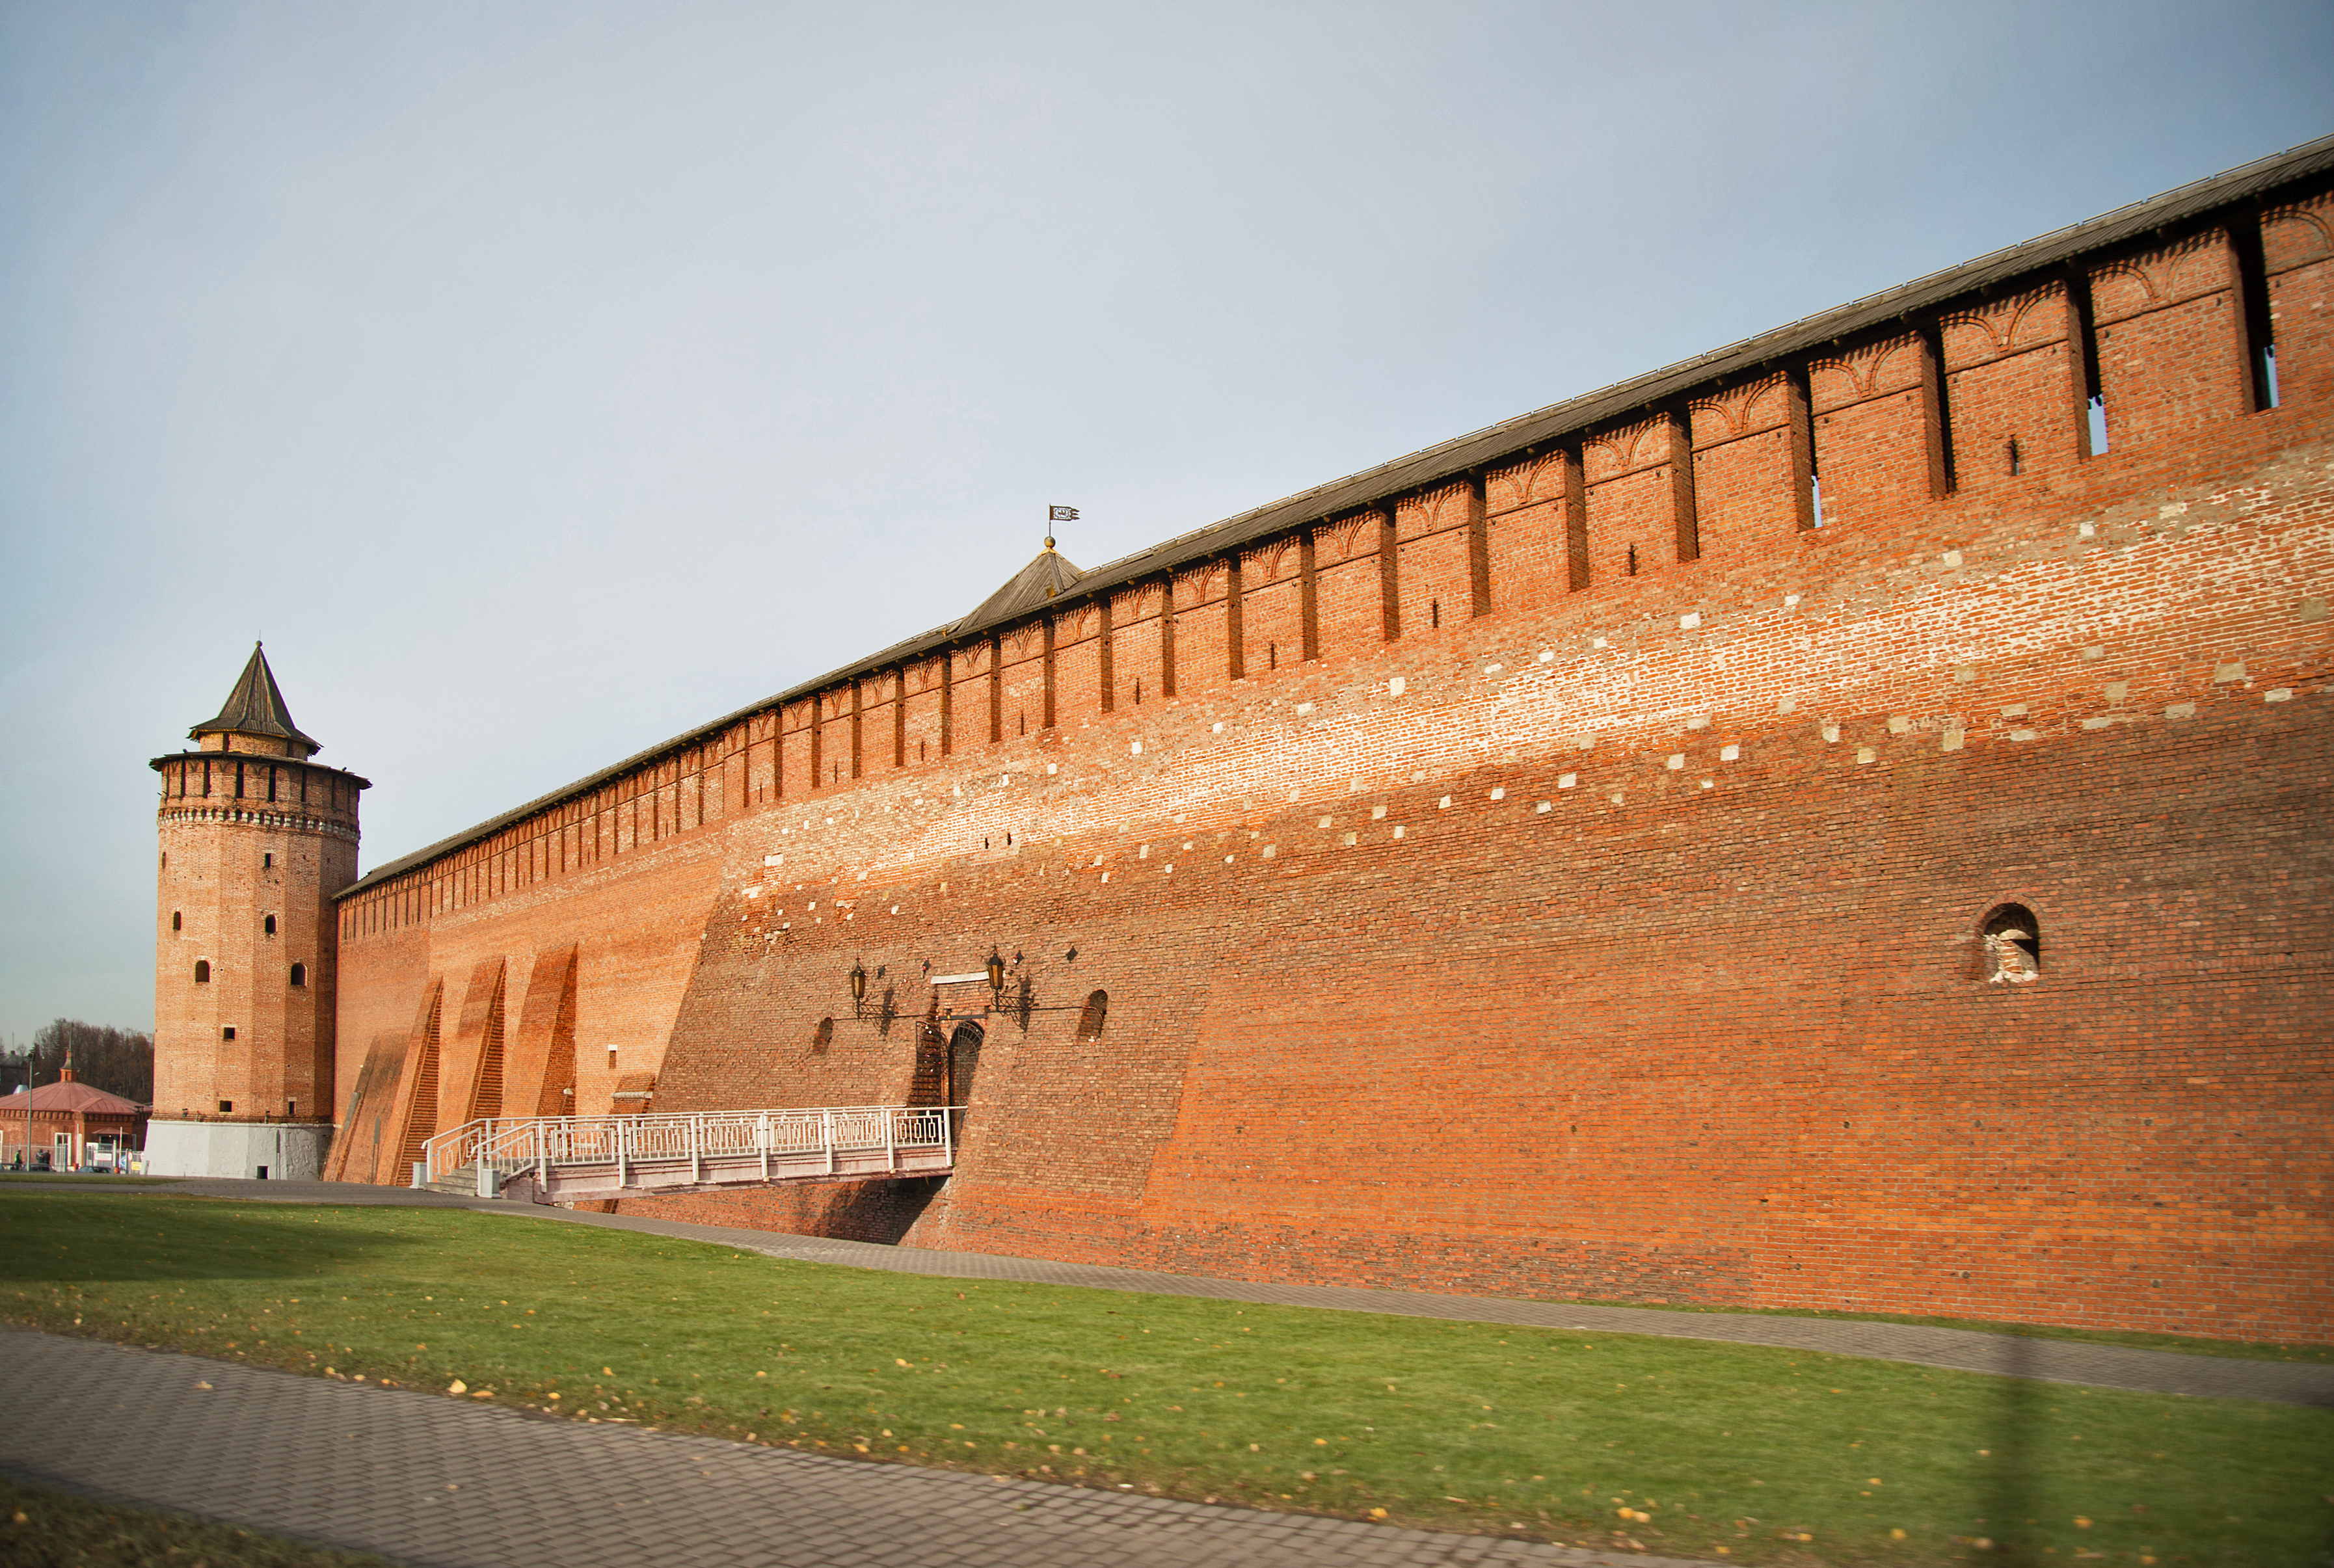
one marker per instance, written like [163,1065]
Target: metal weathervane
[1057,514]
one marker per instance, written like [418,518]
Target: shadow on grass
[151,1239]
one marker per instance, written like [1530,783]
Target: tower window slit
[269,925]
[202,971]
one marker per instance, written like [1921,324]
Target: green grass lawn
[1745,1452]
[2180,1345]
[41,1528]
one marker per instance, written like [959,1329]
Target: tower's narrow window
[1097,1011]
[227,1032]
[227,1108]
[177,921]
[2011,946]
[270,924]
[267,862]
[202,971]
[299,974]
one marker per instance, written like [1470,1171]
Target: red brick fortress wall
[1568,876]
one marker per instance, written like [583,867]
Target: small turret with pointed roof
[254,711]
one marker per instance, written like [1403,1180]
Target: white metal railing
[745,1145]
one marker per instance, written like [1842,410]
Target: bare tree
[118,1061]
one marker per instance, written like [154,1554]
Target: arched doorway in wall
[963,1061]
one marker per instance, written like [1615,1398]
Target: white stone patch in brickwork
[2173,509]
[1567,781]
[1953,558]
[1105,876]
[2015,710]
[1377,813]
[1493,668]
[2181,710]
[1544,808]
[1270,850]
[1831,734]
[895,908]
[1218,728]
[1228,859]
[1547,656]
[2116,690]
[1056,768]
[1324,821]
[1396,687]
[1134,749]
[2278,694]
[774,860]
[2095,651]
[2096,722]
[1898,724]
[1689,620]
[1790,601]
[2085,530]
[1965,672]
[1443,805]
[2224,673]
[1677,761]
[1598,642]
[2310,610]
[1786,704]
[2022,735]
[1351,838]
[1397,830]
[1865,754]
[1709,784]
[1616,800]
[1303,708]
[1730,753]
[1353,786]
[1187,843]
[1143,852]
[1501,793]
[1951,740]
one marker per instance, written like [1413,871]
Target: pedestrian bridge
[568,1159]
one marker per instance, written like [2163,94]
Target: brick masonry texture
[1565,880]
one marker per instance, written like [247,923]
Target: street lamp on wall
[858,988]
[996,973]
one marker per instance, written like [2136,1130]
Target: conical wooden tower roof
[255,707]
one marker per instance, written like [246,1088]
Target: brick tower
[255,840]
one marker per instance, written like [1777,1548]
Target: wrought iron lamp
[996,973]
[858,989]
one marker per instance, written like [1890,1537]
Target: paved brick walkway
[441,1483]
[1960,1350]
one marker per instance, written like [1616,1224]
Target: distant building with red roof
[62,1119]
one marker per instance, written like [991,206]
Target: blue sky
[543,380]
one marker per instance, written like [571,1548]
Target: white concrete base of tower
[266,1152]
